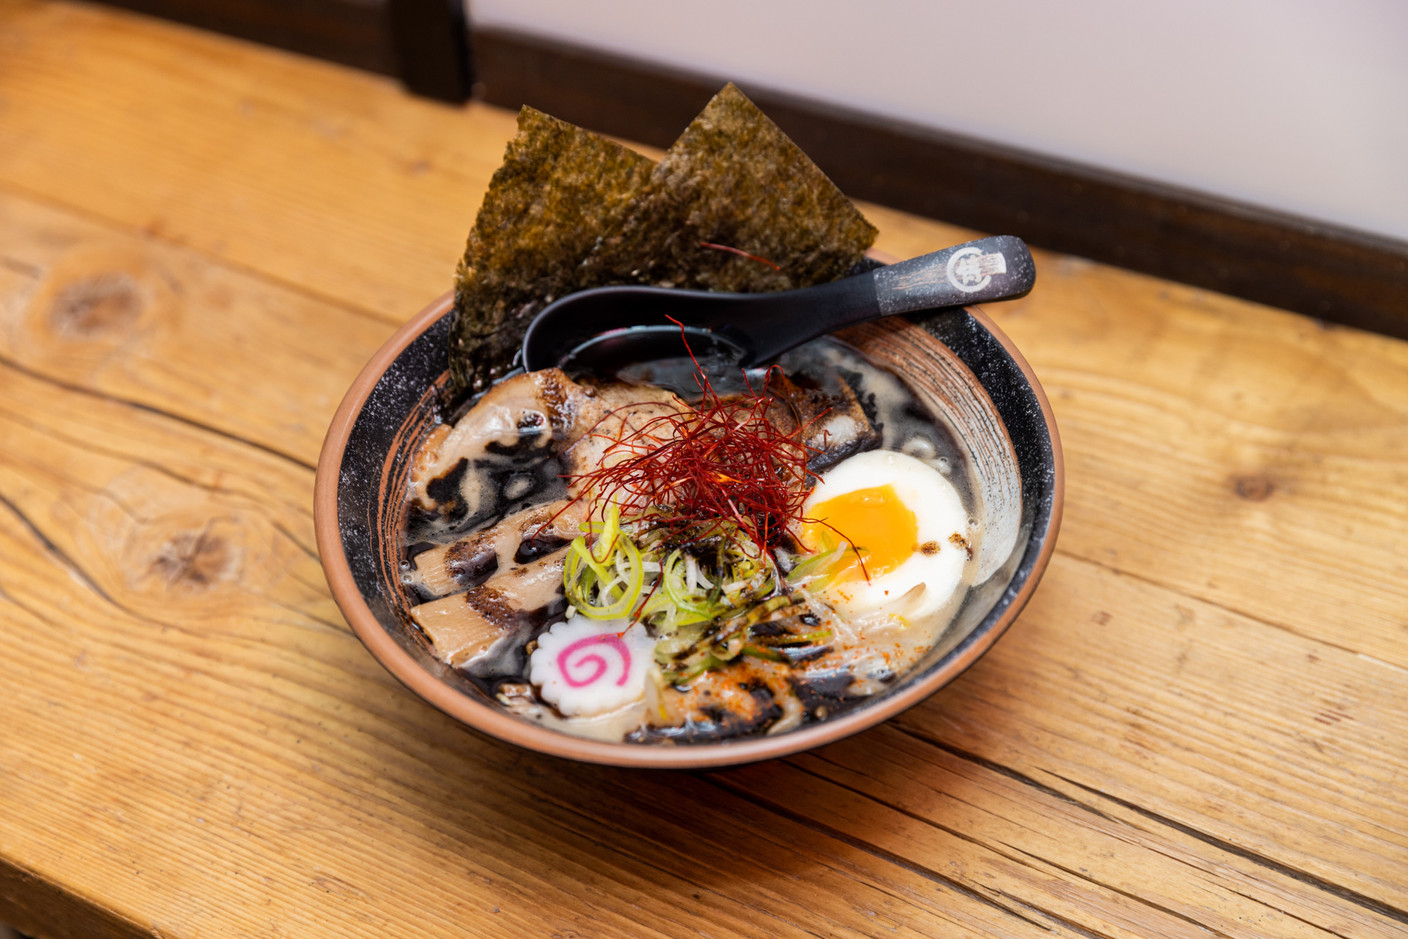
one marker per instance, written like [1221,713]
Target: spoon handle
[996,268]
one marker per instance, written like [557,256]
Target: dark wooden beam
[431,39]
[1331,273]
[352,32]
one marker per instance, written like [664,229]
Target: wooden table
[1198,727]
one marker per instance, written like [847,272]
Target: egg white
[923,583]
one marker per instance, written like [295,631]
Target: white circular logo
[965,270]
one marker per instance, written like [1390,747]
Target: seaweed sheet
[734,205]
[558,189]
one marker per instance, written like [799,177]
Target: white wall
[1296,105]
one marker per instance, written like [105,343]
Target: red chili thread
[718,459]
[740,252]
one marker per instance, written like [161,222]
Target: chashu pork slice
[644,422]
[832,421]
[518,539]
[536,408]
[542,410]
[753,696]
[495,587]
[482,628]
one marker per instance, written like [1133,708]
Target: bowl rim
[499,723]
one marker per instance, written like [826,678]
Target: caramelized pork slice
[484,629]
[617,400]
[833,421]
[525,418]
[518,539]
[804,668]
[526,411]
[754,696]
[598,447]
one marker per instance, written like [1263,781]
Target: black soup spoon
[600,330]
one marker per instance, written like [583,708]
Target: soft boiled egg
[903,527]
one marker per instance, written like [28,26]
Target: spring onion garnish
[694,505]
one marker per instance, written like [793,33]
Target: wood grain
[245,136]
[1198,727]
[1247,457]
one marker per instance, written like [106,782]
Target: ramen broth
[495,502]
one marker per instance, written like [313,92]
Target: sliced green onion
[604,587]
[814,567]
[674,576]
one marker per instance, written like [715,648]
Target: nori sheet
[734,180]
[559,188]
[734,205]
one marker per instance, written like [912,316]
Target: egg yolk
[879,524]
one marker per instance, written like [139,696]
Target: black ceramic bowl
[958,360]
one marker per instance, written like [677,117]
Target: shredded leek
[700,593]
[605,580]
[612,572]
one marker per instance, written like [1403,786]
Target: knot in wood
[195,559]
[1253,488]
[102,303]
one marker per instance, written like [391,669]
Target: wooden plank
[1198,728]
[1236,454]
[373,192]
[135,319]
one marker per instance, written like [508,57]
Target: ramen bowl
[957,360]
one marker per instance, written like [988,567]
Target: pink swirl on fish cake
[596,661]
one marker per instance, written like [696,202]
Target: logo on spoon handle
[969,269]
